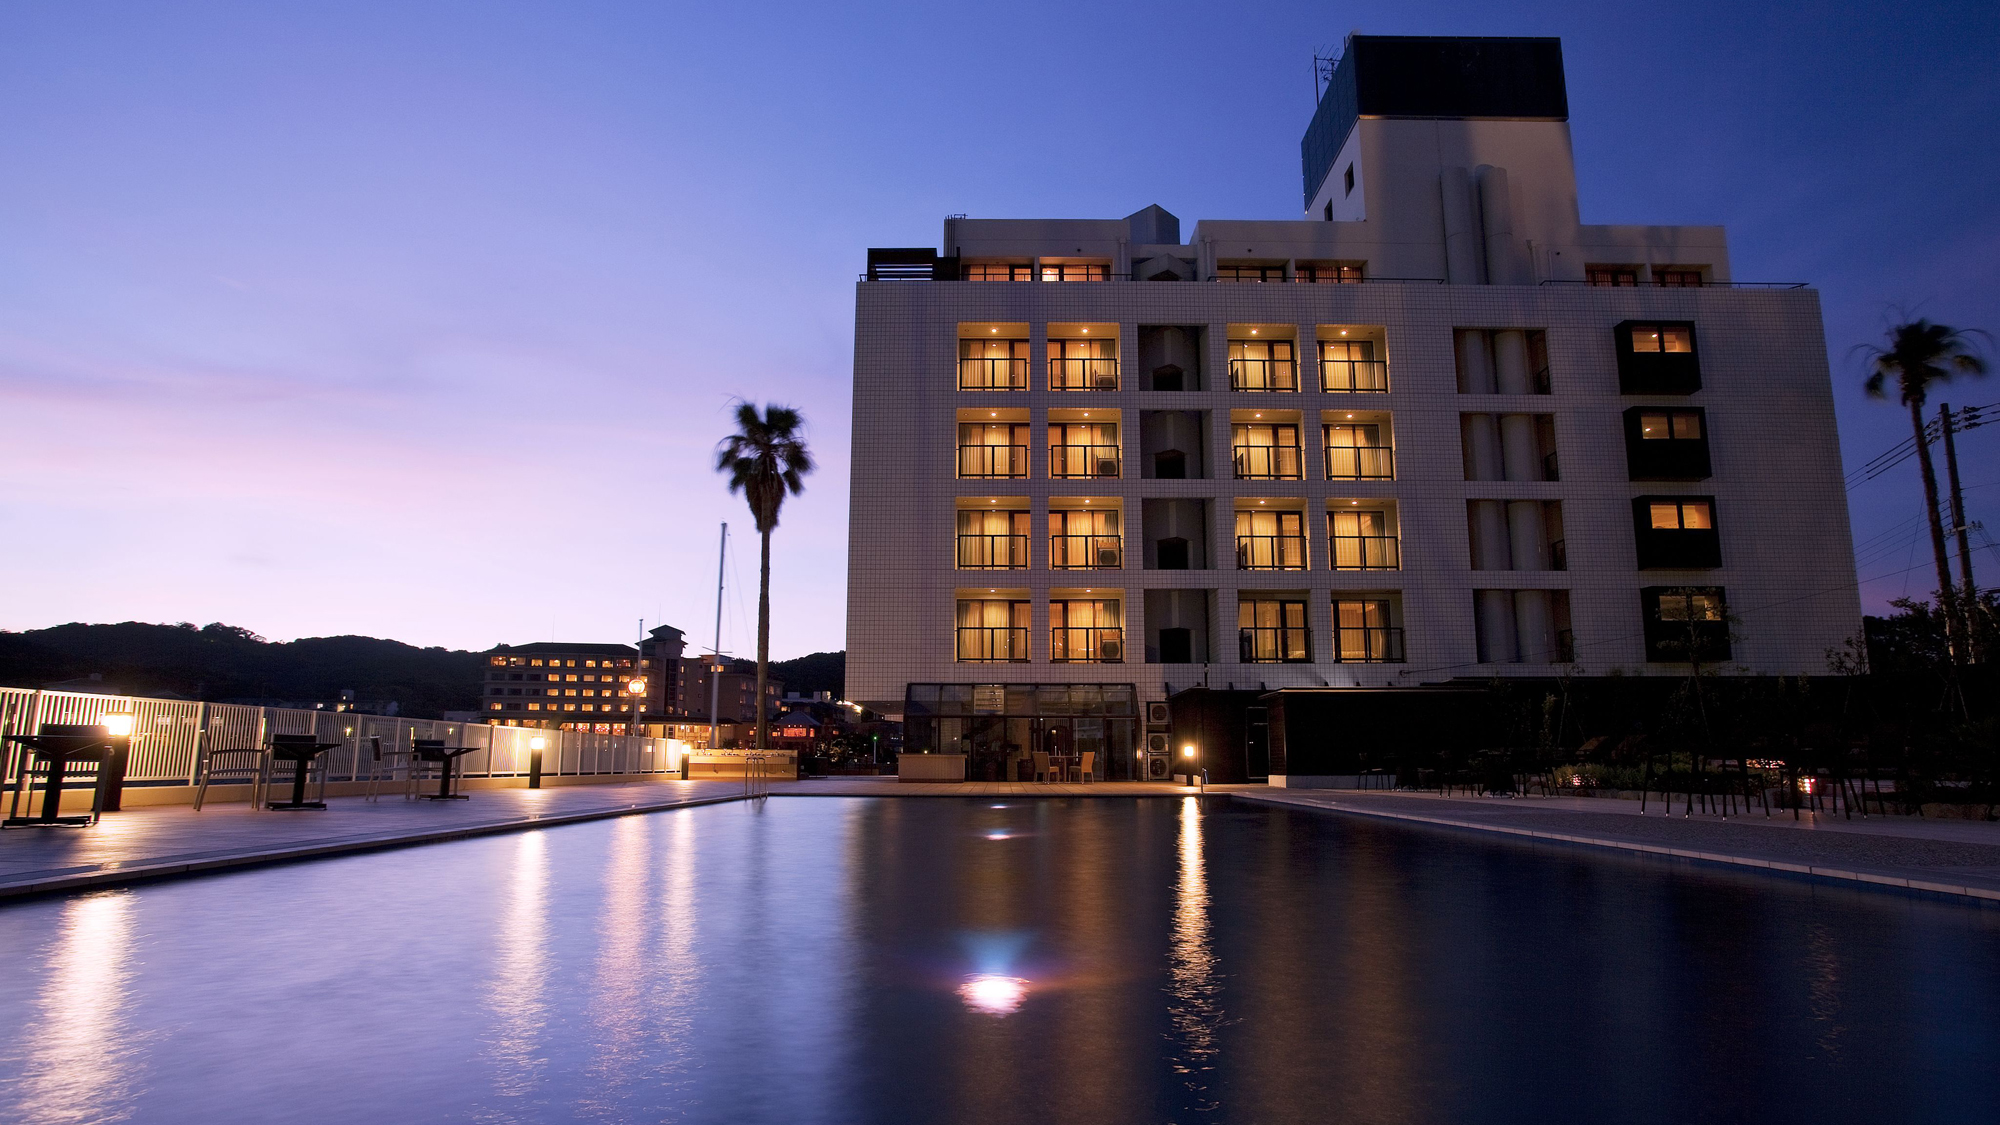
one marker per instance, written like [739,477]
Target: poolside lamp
[117,723]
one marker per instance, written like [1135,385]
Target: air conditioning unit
[1111,651]
[1107,382]
[1157,714]
[1107,466]
[1107,558]
[1157,767]
[1158,743]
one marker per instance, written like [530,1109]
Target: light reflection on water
[814,960]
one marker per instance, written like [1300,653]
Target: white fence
[169,736]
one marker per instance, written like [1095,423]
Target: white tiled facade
[1448,221]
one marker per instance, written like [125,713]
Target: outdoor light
[118,723]
[636,685]
[538,743]
[1188,750]
[1343,332]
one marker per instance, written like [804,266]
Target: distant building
[564,686]
[738,691]
[660,662]
[797,730]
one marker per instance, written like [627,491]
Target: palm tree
[1921,353]
[765,458]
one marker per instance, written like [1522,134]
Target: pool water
[919,960]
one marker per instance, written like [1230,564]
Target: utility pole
[715,662]
[1971,602]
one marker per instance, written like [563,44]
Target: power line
[1963,419]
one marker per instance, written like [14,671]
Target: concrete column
[1490,547]
[1497,643]
[1536,636]
[1519,451]
[1475,365]
[1222,648]
[1496,212]
[1525,536]
[1462,253]
[1510,362]
[1482,447]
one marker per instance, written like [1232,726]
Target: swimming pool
[935,959]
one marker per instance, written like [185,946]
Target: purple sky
[422,320]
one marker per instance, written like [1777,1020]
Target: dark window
[1168,377]
[1177,645]
[1677,279]
[1676,531]
[1657,358]
[1663,444]
[1329,211]
[1685,622]
[1173,553]
[1348,178]
[1611,275]
[1170,464]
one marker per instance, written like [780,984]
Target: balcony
[1657,358]
[1263,375]
[1099,374]
[1268,462]
[1272,644]
[1087,645]
[1354,375]
[1270,552]
[1360,462]
[1364,552]
[1070,461]
[992,552]
[993,461]
[996,644]
[1367,644]
[1086,552]
[1001,374]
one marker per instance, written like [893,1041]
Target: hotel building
[559,686]
[1435,429]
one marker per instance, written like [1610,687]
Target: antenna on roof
[1324,60]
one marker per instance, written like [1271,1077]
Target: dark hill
[220,661]
[821,671]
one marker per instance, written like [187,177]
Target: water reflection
[1194,1007]
[514,992]
[994,995]
[619,981]
[79,1054]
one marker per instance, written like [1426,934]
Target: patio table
[434,750]
[300,749]
[59,744]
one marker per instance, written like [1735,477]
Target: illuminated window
[1655,338]
[535,663]
[571,677]
[498,662]
[1621,276]
[999,271]
[1677,279]
[494,706]
[1677,515]
[569,706]
[1680,425]
[534,706]
[1075,271]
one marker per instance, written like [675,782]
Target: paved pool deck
[1947,857]
[1960,858]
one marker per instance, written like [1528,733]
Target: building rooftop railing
[1703,285]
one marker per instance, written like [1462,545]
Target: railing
[1083,460]
[756,775]
[993,374]
[1272,644]
[169,737]
[995,644]
[1703,285]
[1358,375]
[1087,644]
[1367,644]
[1269,462]
[1360,462]
[1083,374]
[1270,552]
[1263,375]
[1086,552]
[992,552]
[992,460]
[1364,552]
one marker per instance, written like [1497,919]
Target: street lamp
[1187,756]
[535,747]
[636,688]
[117,724]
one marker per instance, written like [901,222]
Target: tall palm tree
[766,458]
[1919,354]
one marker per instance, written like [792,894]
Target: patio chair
[383,764]
[233,767]
[1042,771]
[1086,770]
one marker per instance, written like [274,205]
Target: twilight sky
[421,320]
